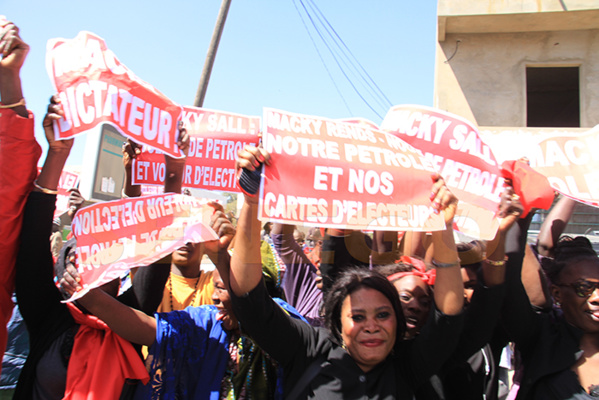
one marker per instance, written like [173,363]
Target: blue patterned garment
[189,358]
[190,355]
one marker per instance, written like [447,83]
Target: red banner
[68,180]
[215,138]
[336,174]
[95,87]
[466,162]
[113,237]
[567,159]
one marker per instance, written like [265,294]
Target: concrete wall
[485,78]
[473,7]
[483,49]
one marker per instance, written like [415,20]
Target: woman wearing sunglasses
[560,350]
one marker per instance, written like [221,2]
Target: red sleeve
[19,153]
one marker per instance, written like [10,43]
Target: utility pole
[218,30]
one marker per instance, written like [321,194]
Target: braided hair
[567,251]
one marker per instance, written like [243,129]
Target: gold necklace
[170,291]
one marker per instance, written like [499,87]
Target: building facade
[522,66]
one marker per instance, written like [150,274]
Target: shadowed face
[415,298]
[188,255]
[222,301]
[578,294]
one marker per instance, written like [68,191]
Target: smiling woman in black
[359,354]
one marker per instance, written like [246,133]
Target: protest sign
[361,121]
[215,138]
[454,146]
[95,87]
[113,237]
[149,190]
[567,157]
[68,180]
[344,175]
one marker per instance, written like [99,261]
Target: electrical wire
[322,60]
[335,57]
[343,58]
[371,84]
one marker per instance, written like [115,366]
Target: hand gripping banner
[113,237]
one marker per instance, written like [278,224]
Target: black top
[471,371]
[39,299]
[296,345]
[548,345]
[563,385]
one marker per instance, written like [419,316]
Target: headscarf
[418,269]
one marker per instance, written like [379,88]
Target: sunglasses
[583,288]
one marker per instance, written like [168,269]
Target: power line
[322,60]
[367,79]
[343,58]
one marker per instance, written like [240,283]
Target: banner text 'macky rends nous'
[467,164]
[215,138]
[94,87]
[113,237]
[330,173]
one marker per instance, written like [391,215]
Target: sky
[266,58]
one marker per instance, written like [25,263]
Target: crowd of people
[336,314]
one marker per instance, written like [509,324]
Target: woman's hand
[13,52]
[251,158]
[12,48]
[183,138]
[510,208]
[443,199]
[223,226]
[55,113]
[69,282]
[130,151]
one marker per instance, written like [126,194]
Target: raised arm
[58,150]
[535,281]
[131,324]
[14,51]
[301,280]
[554,225]
[493,268]
[449,288]
[483,312]
[246,263]
[38,298]
[518,316]
[19,153]
[384,247]
[130,151]
[173,181]
[217,250]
